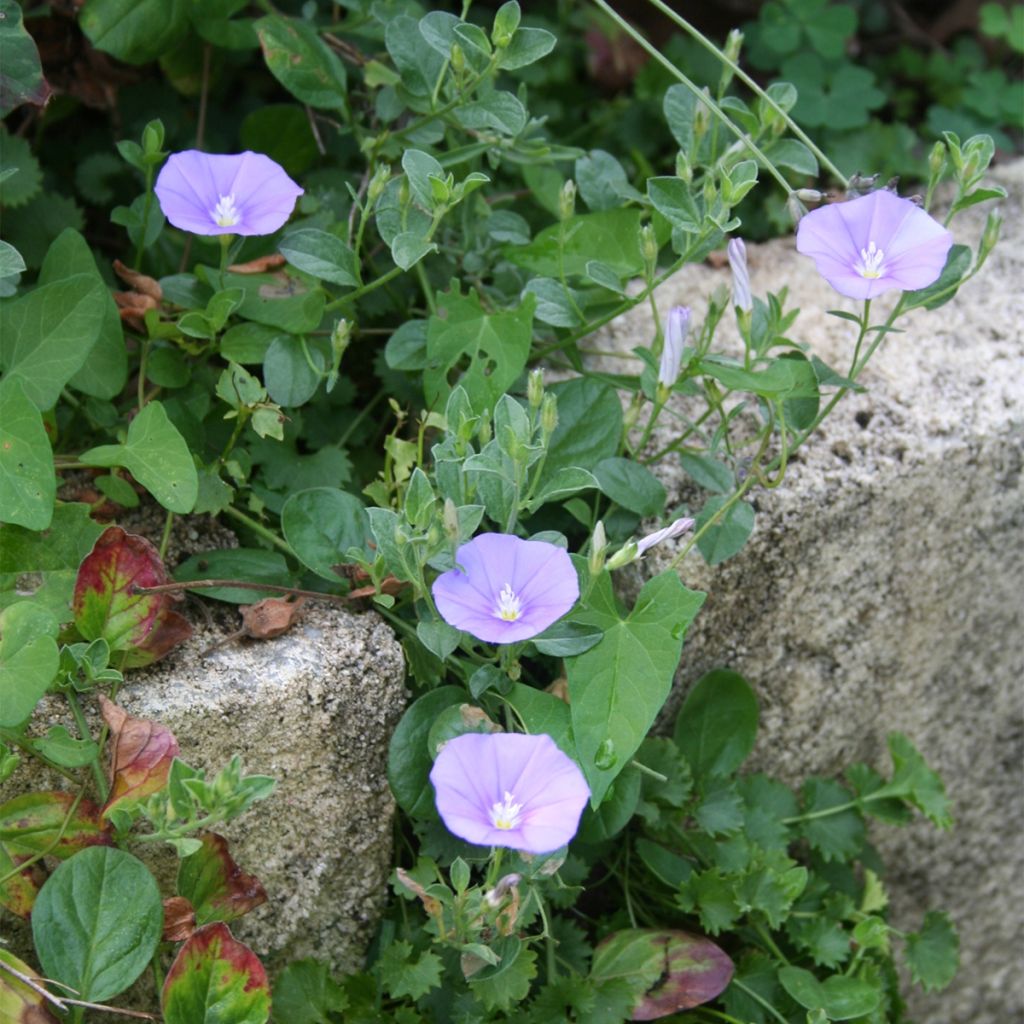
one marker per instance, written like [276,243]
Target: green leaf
[914,781]
[97,921]
[679,107]
[672,198]
[631,485]
[720,811]
[438,637]
[714,896]
[602,181]
[11,262]
[59,746]
[409,758]
[565,638]
[21,177]
[840,997]
[419,65]
[322,524]
[20,1004]
[266,302]
[933,953]
[305,993]
[490,349]
[729,534]
[28,660]
[543,712]
[708,472]
[156,454]
[553,302]
[302,62]
[215,979]
[527,46]
[21,75]
[135,31]
[253,565]
[617,687]
[717,725]
[501,987]
[498,111]
[838,835]
[50,559]
[28,485]
[55,824]
[106,368]
[403,974]
[408,248]
[617,807]
[49,333]
[589,425]
[321,254]
[613,235]
[290,378]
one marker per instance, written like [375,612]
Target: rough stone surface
[882,589]
[315,709]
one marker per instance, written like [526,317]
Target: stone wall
[315,709]
[883,588]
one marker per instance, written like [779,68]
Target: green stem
[165,538]
[365,289]
[359,417]
[766,938]
[741,135]
[143,357]
[428,293]
[15,740]
[146,204]
[261,530]
[102,788]
[754,87]
[759,999]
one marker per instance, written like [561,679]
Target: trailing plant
[349,369]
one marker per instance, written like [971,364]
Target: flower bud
[626,554]
[649,245]
[598,546]
[741,298]
[809,195]
[684,169]
[677,327]
[379,181]
[548,415]
[535,388]
[458,58]
[989,236]
[496,896]
[731,50]
[936,160]
[450,517]
[795,205]
[485,431]
[567,200]
[701,118]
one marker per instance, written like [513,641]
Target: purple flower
[504,589]
[507,789]
[737,253]
[676,329]
[867,246]
[241,194]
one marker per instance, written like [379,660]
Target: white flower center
[509,607]
[870,264]
[225,214]
[505,813]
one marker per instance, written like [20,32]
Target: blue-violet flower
[239,194]
[508,789]
[869,245]
[677,327]
[505,589]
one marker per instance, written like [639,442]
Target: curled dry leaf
[388,585]
[260,265]
[179,919]
[147,286]
[133,306]
[270,617]
[141,755]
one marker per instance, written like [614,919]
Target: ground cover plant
[333,282]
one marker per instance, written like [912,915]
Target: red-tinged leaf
[40,823]
[215,978]
[216,886]
[142,627]
[141,756]
[20,1004]
[179,919]
[669,970]
[18,893]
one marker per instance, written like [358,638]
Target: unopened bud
[701,117]
[795,206]
[626,554]
[741,298]
[632,412]
[733,45]
[649,245]
[404,192]
[684,169]
[937,160]
[379,181]
[809,195]
[567,200]
[548,415]
[535,388]
[485,431]
[989,236]
[598,546]
[340,336]
[458,58]
[450,517]
[677,327]
[496,896]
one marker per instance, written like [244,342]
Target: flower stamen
[509,606]
[505,814]
[225,214]
[870,263]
